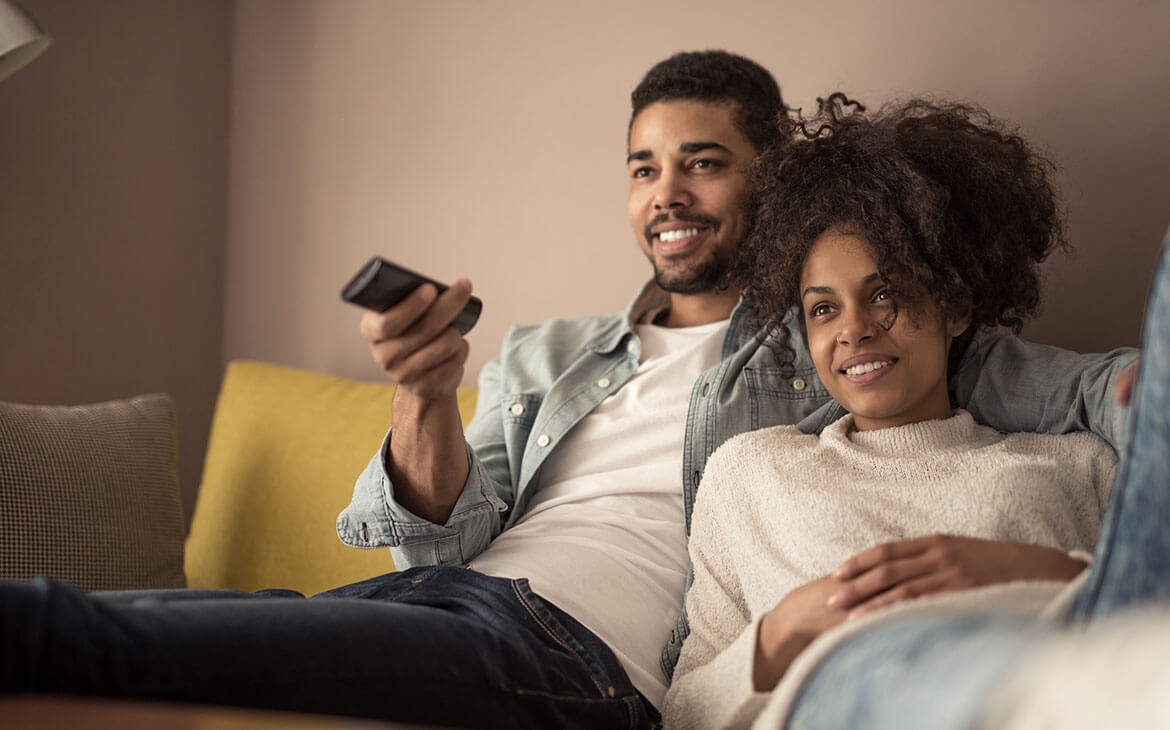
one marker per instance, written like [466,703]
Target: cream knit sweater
[778,508]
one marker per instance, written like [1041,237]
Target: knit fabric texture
[778,509]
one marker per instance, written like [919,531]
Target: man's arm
[414,344]
[1014,385]
[425,494]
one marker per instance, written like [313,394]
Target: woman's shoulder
[763,441]
[734,475]
[1076,445]
[758,452]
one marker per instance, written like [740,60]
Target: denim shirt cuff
[375,519]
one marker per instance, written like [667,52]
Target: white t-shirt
[603,538]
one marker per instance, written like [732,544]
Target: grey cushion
[90,493]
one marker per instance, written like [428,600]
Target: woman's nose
[856,327]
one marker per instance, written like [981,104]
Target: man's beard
[697,277]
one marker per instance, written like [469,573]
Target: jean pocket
[572,638]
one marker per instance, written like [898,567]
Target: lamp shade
[20,39]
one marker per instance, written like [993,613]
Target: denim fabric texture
[926,673]
[550,375]
[938,672]
[436,645]
[1132,561]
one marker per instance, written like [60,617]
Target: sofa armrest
[286,446]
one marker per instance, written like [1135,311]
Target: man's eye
[641,172]
[705,164]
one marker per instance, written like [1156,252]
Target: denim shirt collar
[651,297]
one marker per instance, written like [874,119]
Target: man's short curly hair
[716,76]
[954,204]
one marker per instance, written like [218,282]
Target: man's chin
[689,282]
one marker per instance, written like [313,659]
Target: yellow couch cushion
[286,446]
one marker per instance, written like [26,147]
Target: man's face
[688,191]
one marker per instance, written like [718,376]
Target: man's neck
[692,310]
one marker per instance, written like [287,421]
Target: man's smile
[670,236]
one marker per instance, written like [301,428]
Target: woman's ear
[958,325]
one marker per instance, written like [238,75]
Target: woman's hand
[801,616]
[926,566]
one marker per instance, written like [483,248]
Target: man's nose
[672,191]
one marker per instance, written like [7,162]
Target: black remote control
[380,285]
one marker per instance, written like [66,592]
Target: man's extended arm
[424,494]
[1014,385]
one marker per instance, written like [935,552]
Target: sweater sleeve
[712,685]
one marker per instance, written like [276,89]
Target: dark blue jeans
[440,645]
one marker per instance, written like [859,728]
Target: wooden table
[28,712]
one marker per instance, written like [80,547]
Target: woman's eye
[881,295]
[819,310]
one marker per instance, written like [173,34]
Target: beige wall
[478,138]
[487,139]
[113,168]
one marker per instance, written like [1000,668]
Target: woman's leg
[1132,562]
[919,673]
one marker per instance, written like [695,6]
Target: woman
[892,237]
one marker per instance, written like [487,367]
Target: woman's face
[886,369]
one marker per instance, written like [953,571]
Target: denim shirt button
[798,384]
[516,409]
[603,383]
[543,440]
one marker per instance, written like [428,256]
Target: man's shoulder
[534,356]
[568,333]
[551,328]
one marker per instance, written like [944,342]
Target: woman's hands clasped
[886,574]
[927,566]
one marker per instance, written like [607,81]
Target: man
[563,498]
[568,476]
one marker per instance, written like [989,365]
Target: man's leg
[435,645]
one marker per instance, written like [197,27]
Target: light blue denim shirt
[552,374]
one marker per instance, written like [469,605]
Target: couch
[90,493]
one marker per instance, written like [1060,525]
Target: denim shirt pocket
[778,398]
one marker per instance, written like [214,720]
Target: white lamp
[20,39]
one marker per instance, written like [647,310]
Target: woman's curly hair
[954,204]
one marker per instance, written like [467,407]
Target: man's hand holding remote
[414,343]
